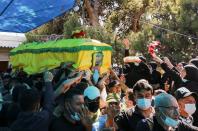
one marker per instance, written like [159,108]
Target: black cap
[184,92]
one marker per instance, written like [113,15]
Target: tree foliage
[173,22]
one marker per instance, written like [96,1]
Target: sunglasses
[114,103]
[93,101]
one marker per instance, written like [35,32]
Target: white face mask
[190,108]
[144,103]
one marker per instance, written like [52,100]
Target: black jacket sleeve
[184,127]
[122,120]
[48,104]
[58,75]
[126,53]
[142,126]
[174,75]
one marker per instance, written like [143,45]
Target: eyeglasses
[171,109]
[93,101]
[114,103]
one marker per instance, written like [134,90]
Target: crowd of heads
[155,90]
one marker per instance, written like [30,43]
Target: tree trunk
[136,17]
[93,15]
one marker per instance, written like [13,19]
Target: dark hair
[131,95]
[17,91]
[159,91]
[28,99]
[183,63]
[153,65]
[194,61]
[142,85]
[191,73]
[71,93]
[82,86]
[113,83]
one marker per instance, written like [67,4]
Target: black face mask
[93,105]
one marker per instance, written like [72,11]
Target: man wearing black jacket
[135,71]
[32,118]
[127,121]
[75,116]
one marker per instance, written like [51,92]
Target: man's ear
[180,104]
[135,96]
[157,110]
[86,100]
[130,102]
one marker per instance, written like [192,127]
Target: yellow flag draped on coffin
[36,57]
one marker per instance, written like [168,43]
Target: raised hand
[112,111]
[157,59]
[66,64]
[48,76]
[130,59]
[87,75]
[85,118]
[126,43]
[101,83]
[167,61]
[66,85]
[68,112]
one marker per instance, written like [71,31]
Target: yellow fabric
[37,62]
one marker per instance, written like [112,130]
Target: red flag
[79,34]
[152,46]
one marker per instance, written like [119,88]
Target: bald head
[165,100]
[166,108]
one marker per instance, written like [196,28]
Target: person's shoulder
[128,112]
[5,129]
[143,125]
[42,114]
[56,123]
[124,115]
[186,127]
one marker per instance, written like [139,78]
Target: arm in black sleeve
[48,103]
[145,71]
[174,75]
[58,75]
[143,126]
[121,121]
[184,127]
[126,53]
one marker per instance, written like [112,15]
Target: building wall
[4,54]
[4,58]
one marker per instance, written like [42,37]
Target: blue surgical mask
[96,76]
[144,103]
[75,117]
[169,121]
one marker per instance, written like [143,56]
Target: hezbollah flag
[85,53]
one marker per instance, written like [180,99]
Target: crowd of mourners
[142,95]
